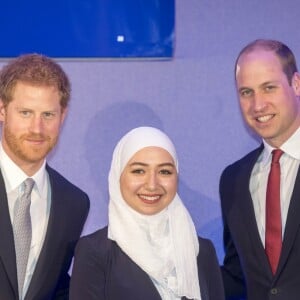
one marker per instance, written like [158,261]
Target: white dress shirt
[289,164]
[39,208]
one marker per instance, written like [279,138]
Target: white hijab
[164,245]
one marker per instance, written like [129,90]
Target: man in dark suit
[34,95]
[268,86]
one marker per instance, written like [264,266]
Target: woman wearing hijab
[150,249]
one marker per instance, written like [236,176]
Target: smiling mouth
[149,199]
[264,119]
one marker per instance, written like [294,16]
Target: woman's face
[149,180]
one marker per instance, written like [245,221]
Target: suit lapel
[292,224]
[244,204]
[7,246]
[127,277]
[41,272]
[247,214]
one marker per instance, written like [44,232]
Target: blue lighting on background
[88,28]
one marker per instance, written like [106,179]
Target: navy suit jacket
[50,280]
[246,268]
[102,271]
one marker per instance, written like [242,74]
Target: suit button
[274,291]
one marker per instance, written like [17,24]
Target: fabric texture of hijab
[164,245]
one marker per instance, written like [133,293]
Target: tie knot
[276,155]
[28,186]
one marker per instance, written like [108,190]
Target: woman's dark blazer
[103,271]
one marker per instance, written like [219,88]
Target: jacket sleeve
[211,284]
[232,273]
[88,274]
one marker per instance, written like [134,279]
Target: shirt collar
[291,147]
[14,176]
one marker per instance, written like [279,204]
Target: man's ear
[2,110]
[63,114]
[296,83]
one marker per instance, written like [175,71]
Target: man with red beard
[34,95]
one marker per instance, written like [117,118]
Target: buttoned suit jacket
[50,280]
[246,268]
[102,271]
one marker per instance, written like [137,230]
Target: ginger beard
[29,148]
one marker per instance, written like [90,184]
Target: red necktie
[273,213]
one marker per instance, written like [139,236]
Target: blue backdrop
[88,28]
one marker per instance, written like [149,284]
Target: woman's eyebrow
[166,164]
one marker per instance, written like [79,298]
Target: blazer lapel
[292,224]
[7,245]
[245,208]
[51,242]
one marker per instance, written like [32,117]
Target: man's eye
[270,88]
[49,115]
[25,113]
[245,93]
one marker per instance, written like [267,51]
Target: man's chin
[34,156]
